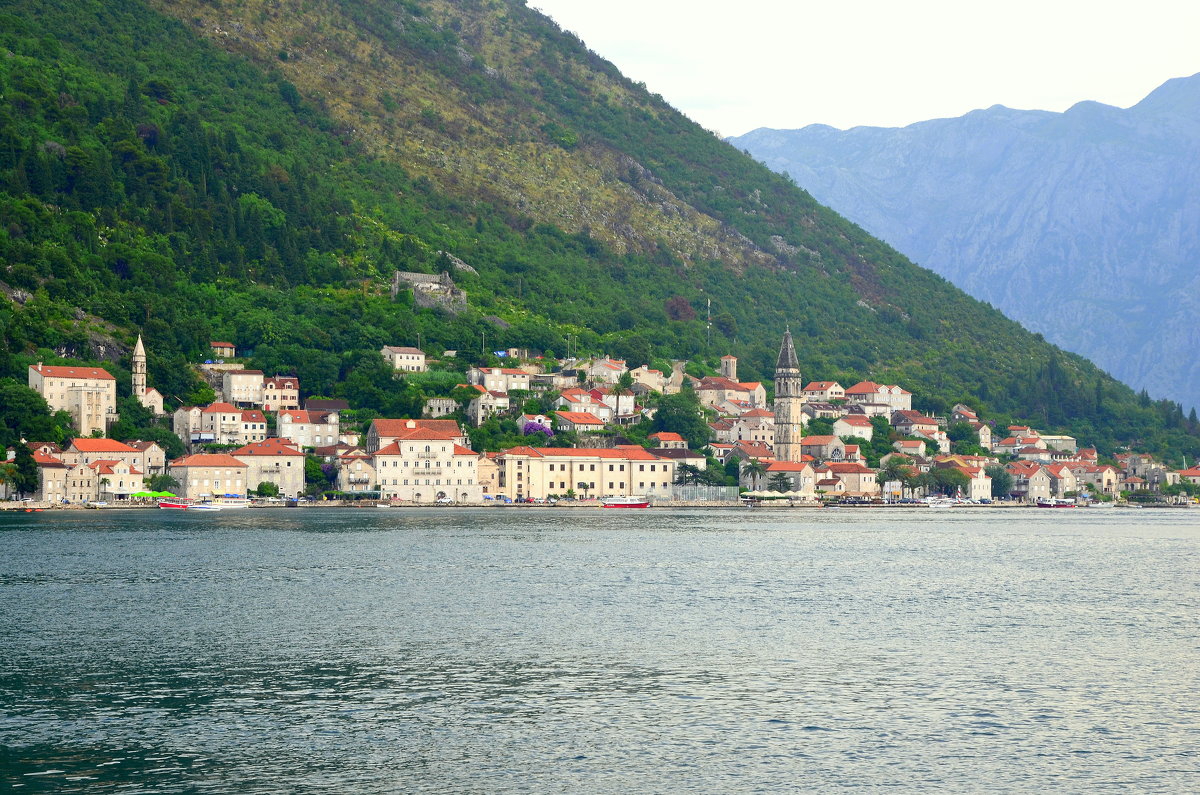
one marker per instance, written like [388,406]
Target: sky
[736,65]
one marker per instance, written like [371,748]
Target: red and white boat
[625,502]
[174,504]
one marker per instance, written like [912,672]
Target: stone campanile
[789,399]
[139,371]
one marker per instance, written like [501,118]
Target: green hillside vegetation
[261,185]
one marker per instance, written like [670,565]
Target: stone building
[789,402]
[88,394]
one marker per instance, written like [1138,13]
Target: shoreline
[777,505]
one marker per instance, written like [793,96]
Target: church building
[789,400]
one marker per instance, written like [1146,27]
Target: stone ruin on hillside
[431,291]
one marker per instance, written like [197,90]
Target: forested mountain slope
[257,171]
[1083,225]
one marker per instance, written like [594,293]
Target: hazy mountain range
[1083,225]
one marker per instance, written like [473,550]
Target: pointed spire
[139,349]
[787,354]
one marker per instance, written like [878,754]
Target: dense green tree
[895,471]
[24,414]
[163,482]
[680,413]
[948,480]
[687,475]
[26,480]
[267,489]
[780,482]
[1002,481]
[316,480]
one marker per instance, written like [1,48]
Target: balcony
[427,455]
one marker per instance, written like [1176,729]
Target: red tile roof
[580,417]
[848,468]
[207,460]
[94,373]
[100,446]
[403,428]
[857,420]
[788,466]
[272,446]
[44,460]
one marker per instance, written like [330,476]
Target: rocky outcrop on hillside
[1083,225]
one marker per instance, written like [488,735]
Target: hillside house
[1030,480]
[499,379]
[869,392]
[854,425]
[383,432]
[88,394]
[280,393]
[439,407]
[242,388]
[824,391]
[404,358]
[539,472]
[88,451]
[426,470]
[274,461]
[309,428]
[486,405]
[204,475]
[577,421]
[356,472]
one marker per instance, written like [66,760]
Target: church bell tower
[789,399]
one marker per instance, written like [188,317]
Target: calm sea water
[599,651]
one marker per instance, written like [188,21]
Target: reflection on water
[543,650]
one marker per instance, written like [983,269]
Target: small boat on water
[625,502]
[184,504]
[1055,502]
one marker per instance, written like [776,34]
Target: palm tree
[8,473]
[754,469]
[895,472]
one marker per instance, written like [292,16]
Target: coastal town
[814,443]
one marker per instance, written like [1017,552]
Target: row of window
[460,463]
[428,482]
[592,467]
